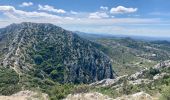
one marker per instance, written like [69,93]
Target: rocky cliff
[50,51]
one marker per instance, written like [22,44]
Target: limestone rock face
[54,52]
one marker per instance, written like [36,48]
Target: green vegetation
[8,81]
[58,92]
[48,61]
[61,91]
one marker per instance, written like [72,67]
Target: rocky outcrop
[162,64]
[140,81]
[137,75]
[160,76]
[54,52]
[108,82]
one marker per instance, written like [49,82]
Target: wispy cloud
[98,15]
[26,4]
[160,13]
[73,12]
[50,9]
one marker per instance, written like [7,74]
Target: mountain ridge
[57,52]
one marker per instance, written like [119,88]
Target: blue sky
[128,17]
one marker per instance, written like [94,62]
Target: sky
[119,17]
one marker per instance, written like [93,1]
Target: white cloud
[26,4]
[11,12]
[104,8]
[98,15]
[50,9]
[121,9]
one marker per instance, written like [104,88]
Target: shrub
[81,89]
[58,91]
[38,59]
[153,71]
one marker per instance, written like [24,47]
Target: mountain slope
[50,51]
